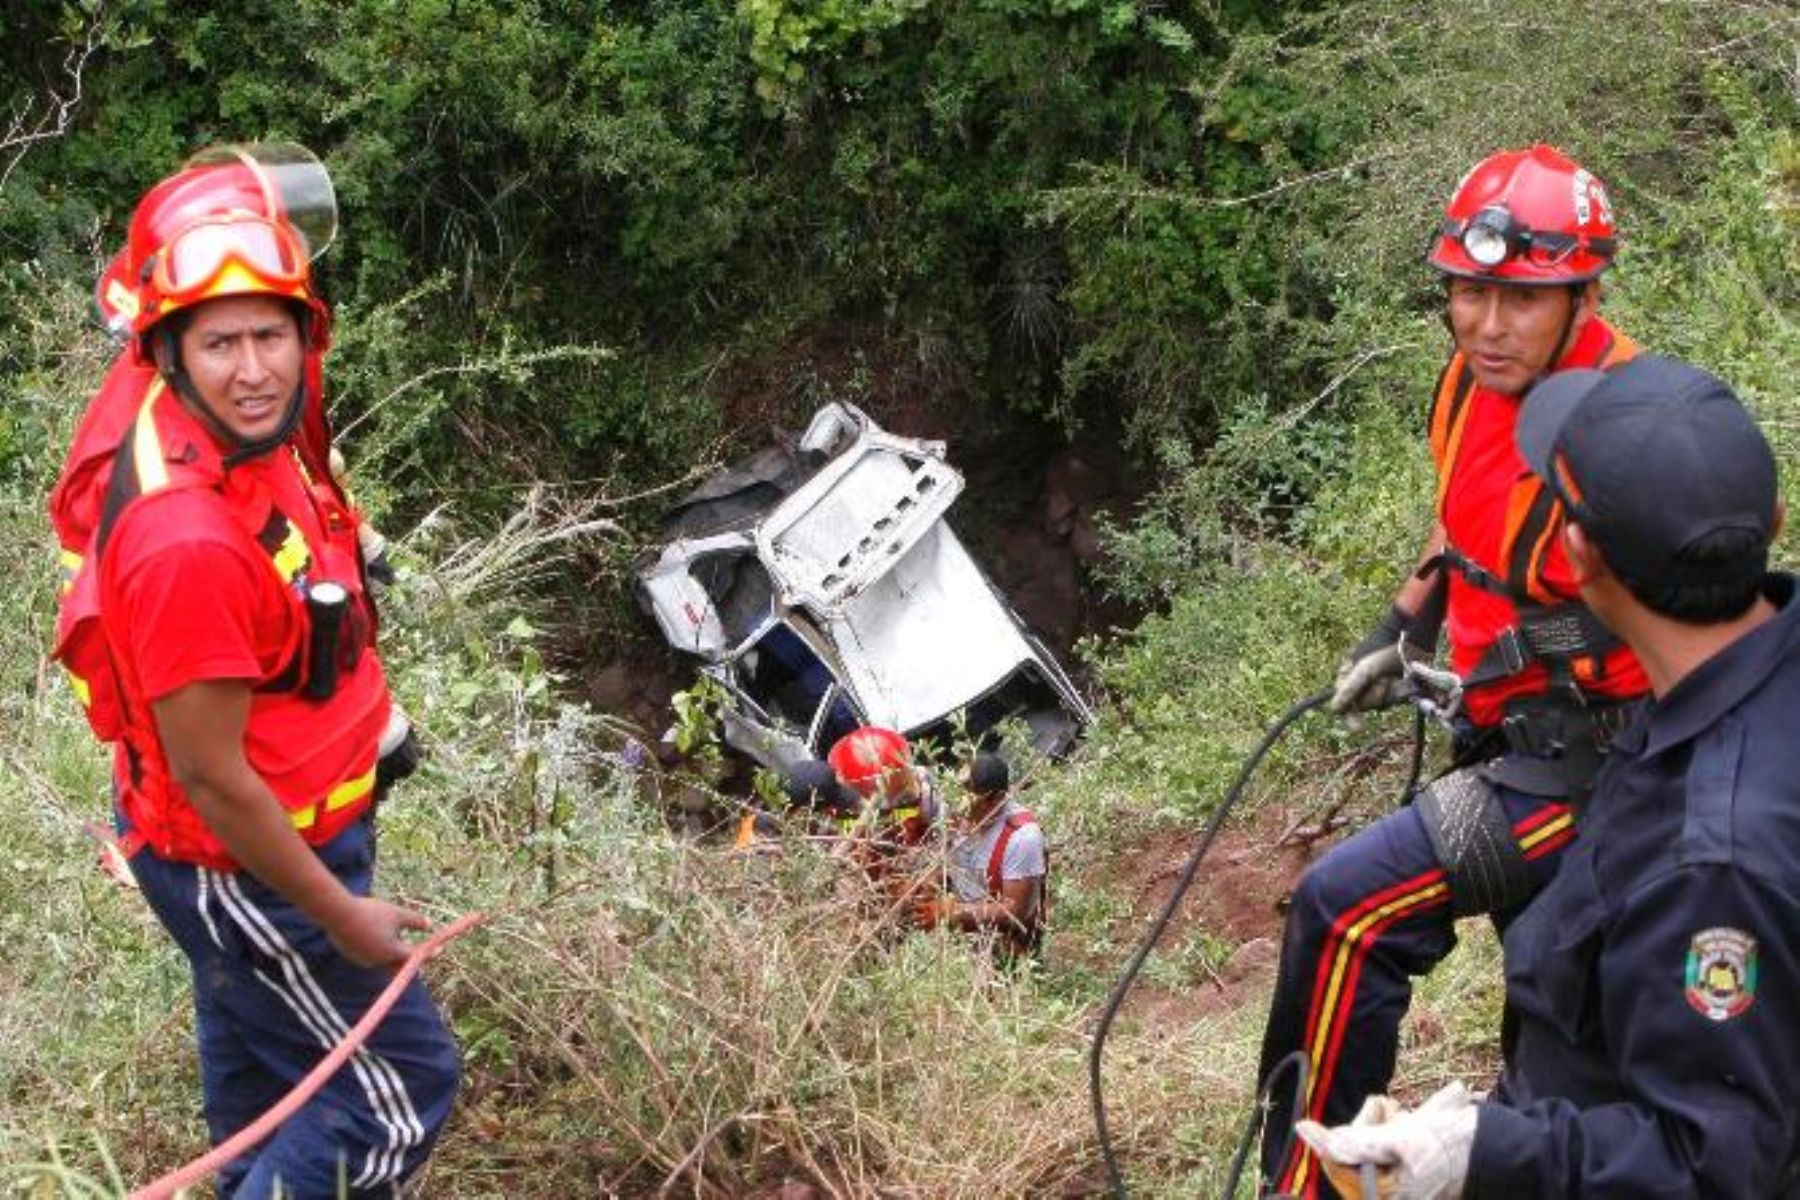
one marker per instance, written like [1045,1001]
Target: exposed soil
[1237,899]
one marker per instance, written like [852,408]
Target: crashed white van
[822,588]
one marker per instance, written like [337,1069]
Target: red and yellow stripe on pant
[1353,934]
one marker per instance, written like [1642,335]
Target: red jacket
[202,575]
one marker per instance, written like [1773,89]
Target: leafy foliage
[584,245]
[678,178]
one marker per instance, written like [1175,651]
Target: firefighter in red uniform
[898,809]
[1522,246]
[216,616]
[898,794]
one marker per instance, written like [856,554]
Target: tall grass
[645,1015]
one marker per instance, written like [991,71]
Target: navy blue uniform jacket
[1657,978]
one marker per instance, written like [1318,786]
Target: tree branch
[30,123]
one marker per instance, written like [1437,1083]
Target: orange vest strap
[1534,514]
[1620,350]
[1449,415]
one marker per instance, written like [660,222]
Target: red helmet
[1527,216]
[863,757]
[234,221]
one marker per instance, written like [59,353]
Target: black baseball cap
[1650,458]
[987,774]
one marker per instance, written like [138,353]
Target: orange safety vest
[141,467]
[1533,519]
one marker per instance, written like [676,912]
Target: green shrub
[577,245]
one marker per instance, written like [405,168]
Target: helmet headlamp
[1527,217]
[1490,237]
[1494,236]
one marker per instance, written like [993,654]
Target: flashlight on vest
[326,603]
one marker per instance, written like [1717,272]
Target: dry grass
[744,1019]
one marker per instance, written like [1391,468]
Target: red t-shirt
[188,595]
[1474,509]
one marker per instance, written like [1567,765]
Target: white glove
[1424,1153]
[1368,683]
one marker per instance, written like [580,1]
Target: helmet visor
[296,186]
[197,258]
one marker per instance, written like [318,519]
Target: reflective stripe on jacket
[316,754]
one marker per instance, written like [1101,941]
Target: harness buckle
[1515,652]
[1536,733]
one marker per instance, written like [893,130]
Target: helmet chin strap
[261,446]
[174,371]
[1562,340]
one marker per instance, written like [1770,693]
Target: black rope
[1157,928]
[1418,756]
[1295,1061]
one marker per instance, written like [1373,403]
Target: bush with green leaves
[694,184]
[1274,545]
[578,245]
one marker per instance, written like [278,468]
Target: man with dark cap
[1655,978]
[998,868]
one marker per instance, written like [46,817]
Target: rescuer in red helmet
[217,619]
[1521,248]
[900,801]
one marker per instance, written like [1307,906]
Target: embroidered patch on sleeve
[1721,973]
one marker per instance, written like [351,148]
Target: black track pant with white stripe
[271,998]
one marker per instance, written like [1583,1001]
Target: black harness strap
[1561,637]
[273,536]
[121,489]
[1473,572]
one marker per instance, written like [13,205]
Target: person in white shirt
[999,865]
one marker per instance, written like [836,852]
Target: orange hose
[207,1164]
